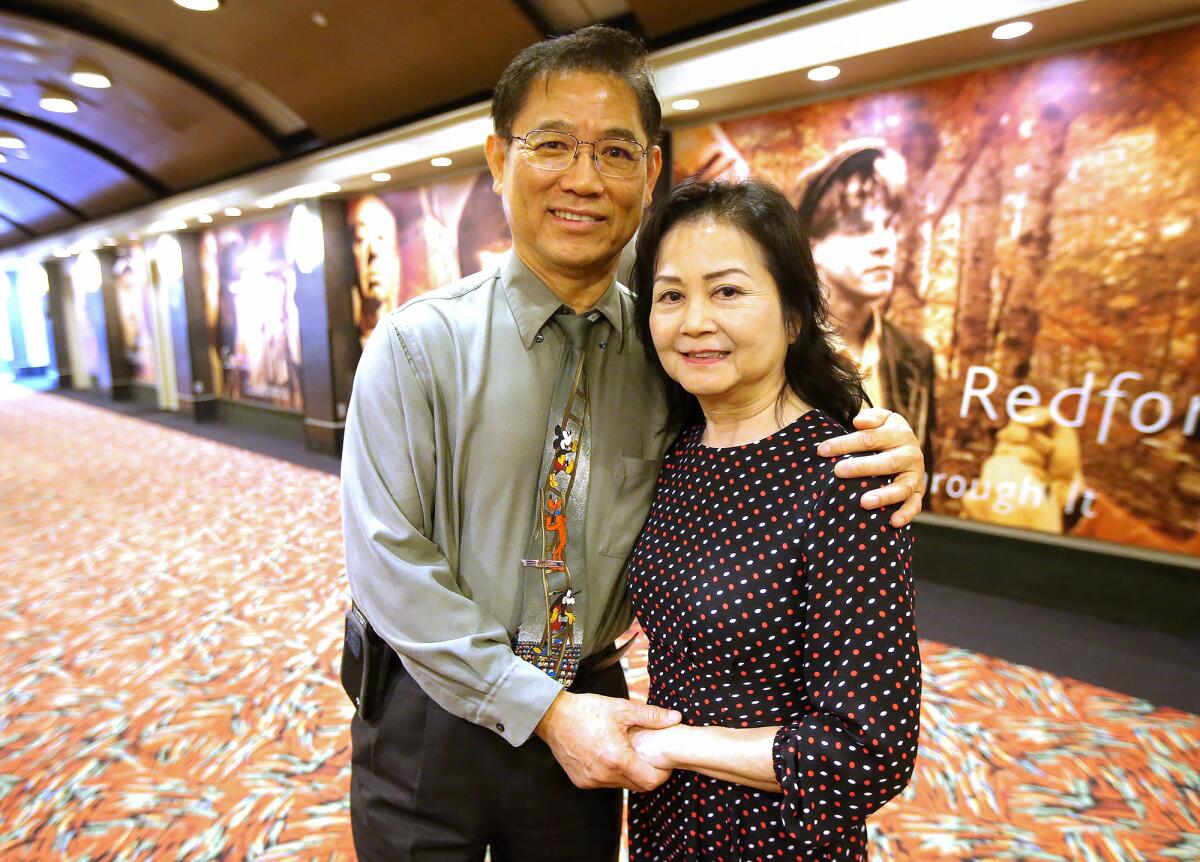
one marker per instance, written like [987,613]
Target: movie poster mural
[87,303]
[254,324]
[135,309]
[1013,257]
[413,240]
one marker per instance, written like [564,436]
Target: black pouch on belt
[366,663]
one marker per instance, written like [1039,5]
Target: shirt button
[603,344]
[500,726]
[539,338]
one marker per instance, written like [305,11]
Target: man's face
[572,224]
[857,259]
[376,255]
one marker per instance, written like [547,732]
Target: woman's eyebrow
[721,273]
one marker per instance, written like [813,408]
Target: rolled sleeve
[401,579]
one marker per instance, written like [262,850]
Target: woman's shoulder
[814,428]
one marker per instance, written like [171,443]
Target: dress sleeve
[862,669]
[456,651]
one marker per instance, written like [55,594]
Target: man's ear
[654,163]
[495,148]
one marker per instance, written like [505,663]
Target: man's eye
[550,145]
[618,152]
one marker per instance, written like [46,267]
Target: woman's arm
[735,754]
[855,749]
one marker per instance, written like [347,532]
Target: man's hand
[589,735]
[899,455]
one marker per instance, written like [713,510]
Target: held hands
[657,747]
[899,455]
[590,737]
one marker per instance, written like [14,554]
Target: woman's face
[716,318]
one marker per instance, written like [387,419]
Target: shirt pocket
[634,489]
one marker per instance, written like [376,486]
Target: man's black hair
[599,49]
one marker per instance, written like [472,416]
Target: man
[454,548]
[376,263]
[849,207]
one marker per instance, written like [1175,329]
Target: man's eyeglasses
[556,151]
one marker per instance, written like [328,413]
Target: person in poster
[376,263]
[848,210]
[258,318]
[210,282]
[135,309]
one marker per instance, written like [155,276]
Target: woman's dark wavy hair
[815,372]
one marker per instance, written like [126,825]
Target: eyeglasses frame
[575,154]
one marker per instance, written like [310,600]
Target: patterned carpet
[170,627]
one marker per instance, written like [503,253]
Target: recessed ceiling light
[109,241]
[319,19]
[3,158]
[5,93]
[232,212]
[441,161]
[824,73]
[57,101]
[381,176]
[204,218]
[62,253]
[87,74]
[9,141]
[685,104]
[1012,30]
[199,5]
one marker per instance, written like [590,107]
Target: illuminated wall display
[1013,253]
[255,321]
[411,241]
[135,307]
[87,305]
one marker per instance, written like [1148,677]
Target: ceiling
[199,97]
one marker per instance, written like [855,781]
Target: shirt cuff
[518,701]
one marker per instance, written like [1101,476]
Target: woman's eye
[728,291]
[669,296]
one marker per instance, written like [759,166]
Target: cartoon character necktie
[551,635]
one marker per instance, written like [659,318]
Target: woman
[779,612]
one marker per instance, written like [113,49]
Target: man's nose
[581,175]
[883,240]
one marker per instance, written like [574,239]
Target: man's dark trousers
[427,786]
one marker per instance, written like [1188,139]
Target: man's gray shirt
[440,473]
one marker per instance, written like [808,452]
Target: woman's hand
[899,455]
[658,747]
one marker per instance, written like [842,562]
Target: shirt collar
[532,303]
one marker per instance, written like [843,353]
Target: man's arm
[458,653]
[898,455]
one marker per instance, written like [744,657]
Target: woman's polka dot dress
[771,597]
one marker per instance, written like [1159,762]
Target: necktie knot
[576,327]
